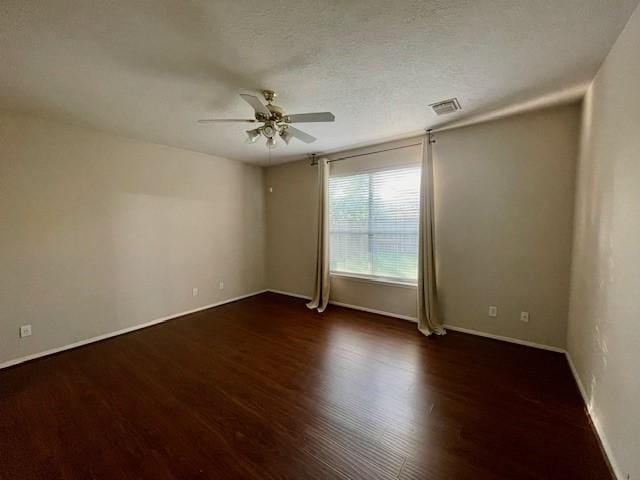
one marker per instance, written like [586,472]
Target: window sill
[377,281]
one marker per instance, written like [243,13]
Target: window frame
[370,278]
[394,282]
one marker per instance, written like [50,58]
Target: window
[373,224]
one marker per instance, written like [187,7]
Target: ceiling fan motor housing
[275,110]
[277,114]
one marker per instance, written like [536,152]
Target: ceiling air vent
[446,106]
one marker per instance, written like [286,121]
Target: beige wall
[100,233]
[604,320]
[504,211]
[291,227]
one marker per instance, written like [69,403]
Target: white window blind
[373,223]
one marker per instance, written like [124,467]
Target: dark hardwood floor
[264,388]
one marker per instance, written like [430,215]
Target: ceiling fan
[275,121]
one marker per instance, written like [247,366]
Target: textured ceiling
[151,68]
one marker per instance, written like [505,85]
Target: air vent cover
[446,106]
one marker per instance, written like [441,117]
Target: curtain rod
[314,159]
[372,153]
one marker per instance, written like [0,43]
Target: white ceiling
[151,68]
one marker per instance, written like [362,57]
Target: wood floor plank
[265,388]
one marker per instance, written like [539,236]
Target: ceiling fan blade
[256,104]
[300,135]
[310,117]
[221,120]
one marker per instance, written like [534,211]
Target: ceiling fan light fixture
[253,135]
[271,142]
[269,130]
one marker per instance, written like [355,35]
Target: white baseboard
[581,388]
[373,310]
[414,319]
[604,443]
[526,343]
[347,305]
[289,294]
[104,336]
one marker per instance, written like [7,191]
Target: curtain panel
[429,321]
[320,297]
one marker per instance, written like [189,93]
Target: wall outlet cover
[25,331]
[493,311]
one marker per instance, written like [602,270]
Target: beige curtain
[429,321]
[320,297]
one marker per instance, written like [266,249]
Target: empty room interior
[319,239]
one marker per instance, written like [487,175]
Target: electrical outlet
[195,292]
[221,285]
[524,316]
[493,311]
[25,331]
